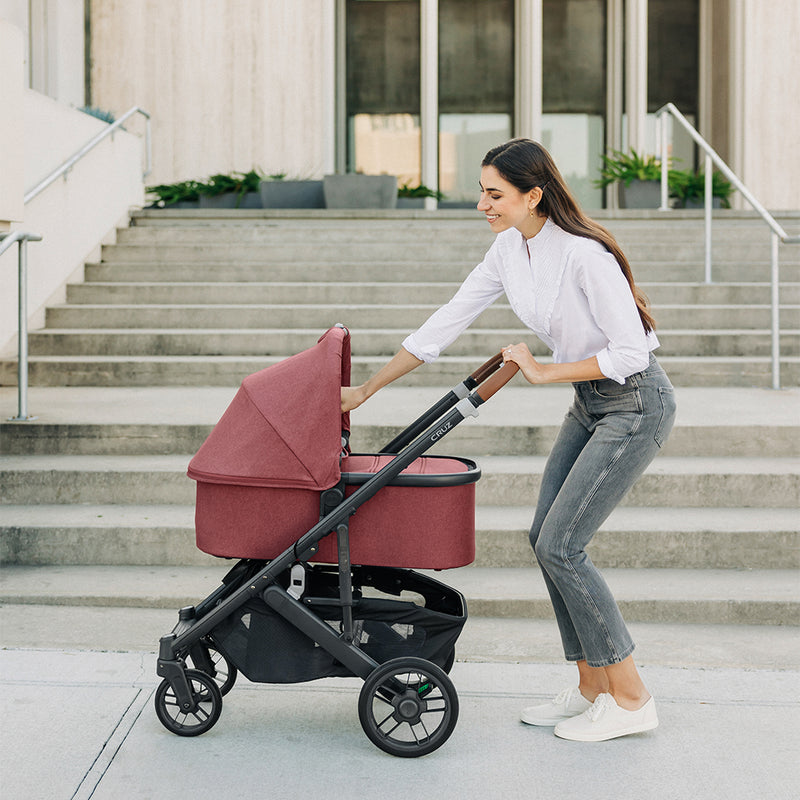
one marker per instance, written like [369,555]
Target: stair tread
[62,584]
[495,465]
[500,518]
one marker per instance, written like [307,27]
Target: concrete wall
[73,215]
[230,84]
[766,127]
[54,46]
[12,174]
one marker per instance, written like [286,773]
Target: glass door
[574,63]
[382,67]
[476,91]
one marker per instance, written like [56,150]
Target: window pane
[382,57]
[383,88]
[464,139]
[476,56]
[574,56]
[386,143]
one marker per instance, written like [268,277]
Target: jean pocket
[610,396]
[666,395]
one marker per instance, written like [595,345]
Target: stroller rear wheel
[205,710]
[408,707]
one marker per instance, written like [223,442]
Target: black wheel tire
[207,705]
[224,673]
[408,707]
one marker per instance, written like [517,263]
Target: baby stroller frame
[408,705]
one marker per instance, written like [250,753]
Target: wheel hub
[408,707]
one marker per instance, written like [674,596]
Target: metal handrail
[7,240]
[90,145]
[778,233]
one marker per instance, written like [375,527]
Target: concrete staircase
[129,376]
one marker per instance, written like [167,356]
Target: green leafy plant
[418,191]
[240,183]
[691,185]
[168,194]
[99,113]
[619,167]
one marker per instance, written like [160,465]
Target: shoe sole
[604,737]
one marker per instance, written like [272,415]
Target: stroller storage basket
[267,649]
[424,519]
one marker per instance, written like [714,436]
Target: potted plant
[638,177]
[688,188]
[356,190]
[237,190]
[183,194]
[278,191]
[414,196]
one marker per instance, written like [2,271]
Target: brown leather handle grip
[487,369]
[498,380]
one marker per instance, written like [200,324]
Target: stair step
[162,535]
[506,480]
[149,370]
[520,420]
[382,293]
[722,597]
[366,341]
[403,316]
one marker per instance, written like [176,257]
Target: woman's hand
[352,397]
[521,355]
[534,372]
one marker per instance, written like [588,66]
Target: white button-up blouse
[569,290]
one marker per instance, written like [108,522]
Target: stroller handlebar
[495,374]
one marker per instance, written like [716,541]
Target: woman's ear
[534,197]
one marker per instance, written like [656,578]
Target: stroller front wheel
[408,707]
[205,710]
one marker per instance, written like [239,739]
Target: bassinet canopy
[284,426]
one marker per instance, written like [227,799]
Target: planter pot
[230,199]
[411,202]
[640,194]
[695,202]
[360,191]
[292,194]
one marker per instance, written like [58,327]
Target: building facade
[422,88]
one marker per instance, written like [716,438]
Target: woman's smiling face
[505,206]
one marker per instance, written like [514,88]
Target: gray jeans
[610,434]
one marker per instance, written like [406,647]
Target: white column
[636,73]
[429,96]
[330,78]
[528,45]
[340,89]
[12,131]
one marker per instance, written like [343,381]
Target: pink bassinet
[261,473]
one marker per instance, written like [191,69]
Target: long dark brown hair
[526,164]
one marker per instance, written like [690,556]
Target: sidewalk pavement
[80,724]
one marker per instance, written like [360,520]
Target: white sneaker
[567,704]
[606,720]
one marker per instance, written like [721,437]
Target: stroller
[326,543]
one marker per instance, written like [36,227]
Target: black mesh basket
[267,649]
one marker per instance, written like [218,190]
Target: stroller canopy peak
[284,426]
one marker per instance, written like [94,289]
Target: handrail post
[708,200]
[22,240]
[663,121]
[776,326]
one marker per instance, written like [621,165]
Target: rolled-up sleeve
[615,313]
[479,290]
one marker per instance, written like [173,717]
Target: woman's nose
[482,204]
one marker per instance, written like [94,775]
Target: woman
[568,281]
